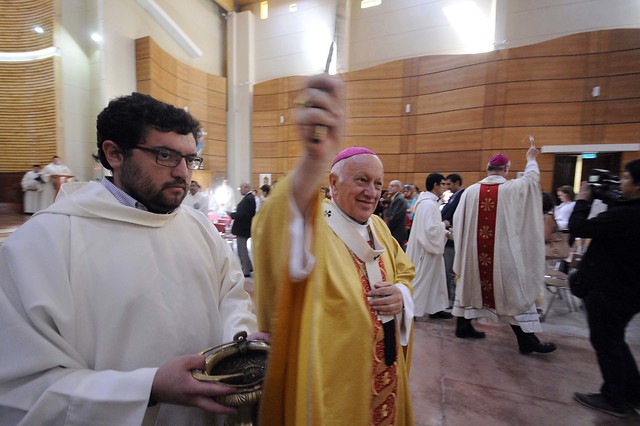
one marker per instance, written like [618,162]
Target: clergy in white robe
[77,354]
[426,248]
[106,298]
[197,199]
[500,254]
[32,185]
[49,174]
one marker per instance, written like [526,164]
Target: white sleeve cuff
[301,261]
[405,319]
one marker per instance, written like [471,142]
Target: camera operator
[611,268]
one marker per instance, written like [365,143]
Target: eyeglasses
[170,158]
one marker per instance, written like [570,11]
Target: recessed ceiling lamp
[28,56]
[369,3]
[293,7]
[96,37]
[264,9]
[38,29]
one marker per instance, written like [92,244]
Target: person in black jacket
[396,214]
[611,268]
[454,183]
[241,227]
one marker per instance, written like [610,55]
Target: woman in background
[563,211]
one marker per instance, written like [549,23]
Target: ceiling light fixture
[38,29]
[369,3]
[28,56]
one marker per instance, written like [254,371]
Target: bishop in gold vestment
[332,285]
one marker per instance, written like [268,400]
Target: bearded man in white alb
[107,296]
[499,244]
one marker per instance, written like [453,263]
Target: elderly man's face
[244,188]
[357,194]
[394,186]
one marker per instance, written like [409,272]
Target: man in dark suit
[241,227]
[396,214]
[454,184]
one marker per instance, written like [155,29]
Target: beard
[157,199]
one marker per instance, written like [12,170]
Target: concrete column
[240,81]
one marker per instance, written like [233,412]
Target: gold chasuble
[326,364]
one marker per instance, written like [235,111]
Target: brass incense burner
[240,364]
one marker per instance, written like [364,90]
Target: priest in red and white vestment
[500,254]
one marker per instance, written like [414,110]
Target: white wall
[408,28]
[75,46]
[92,74]
[531,22]
[126,20]
[292,43]
[399,29]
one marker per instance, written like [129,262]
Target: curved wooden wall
[463,108]
[17,19]
[163,77]
[28,121]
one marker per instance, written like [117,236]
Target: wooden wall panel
[372,89]
[374,107]
[28,102]
[457,99]
[374,126]
[163,77]
[464,108]
[17,18]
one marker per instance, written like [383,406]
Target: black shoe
[540,347]
[471,333]
[598,402]
[441,315]
[247,275]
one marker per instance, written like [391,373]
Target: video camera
[605,186]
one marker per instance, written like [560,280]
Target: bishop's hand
[321,121]
[320,116]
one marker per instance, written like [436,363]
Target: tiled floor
[463,382]
[459,382]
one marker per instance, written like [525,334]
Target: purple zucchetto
[350,152]
[499,160]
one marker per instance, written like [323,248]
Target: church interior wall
[290,43]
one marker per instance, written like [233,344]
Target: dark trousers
[608,317]
[243,254]
[449,255]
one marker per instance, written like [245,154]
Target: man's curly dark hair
[127,119]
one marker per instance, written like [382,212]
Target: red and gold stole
[486,238]
[384,386]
